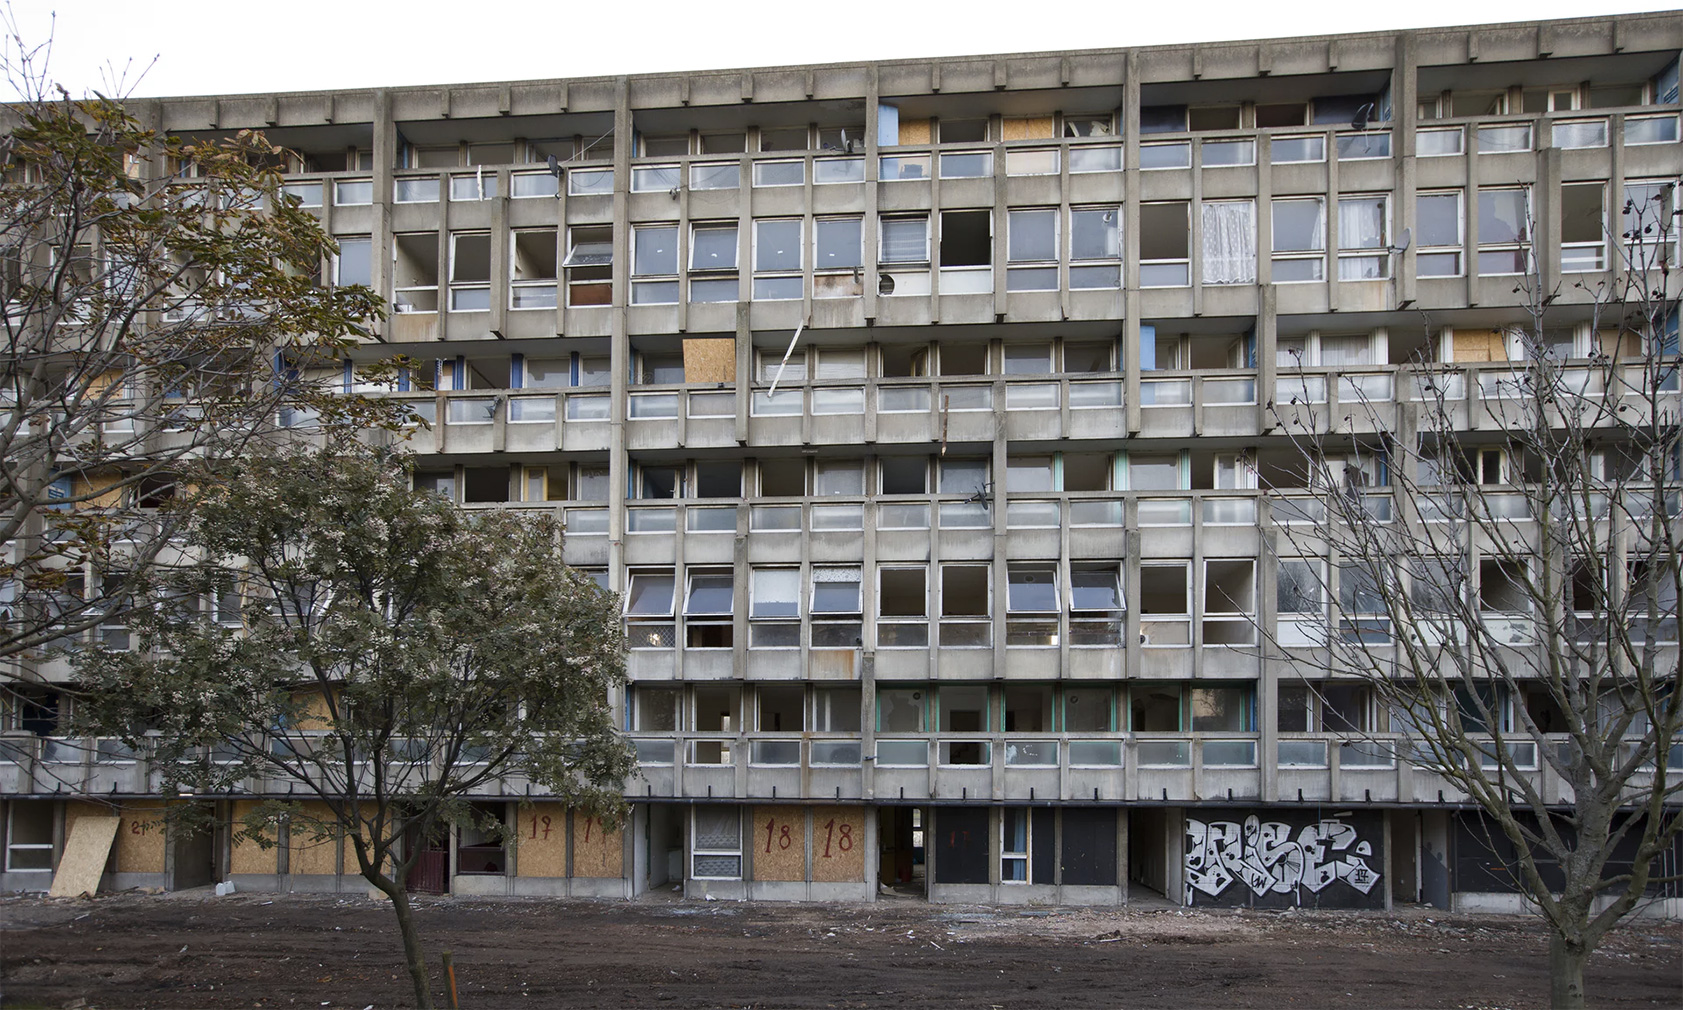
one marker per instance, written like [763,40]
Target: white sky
[233,46]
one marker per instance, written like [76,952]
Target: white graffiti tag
[1269,859]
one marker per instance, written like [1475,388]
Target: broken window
[902,608]
[485,484]
[904,475]
[1164,244]
[782,478]
[964,131]
[836,710]
[654,264]
[1095,247]
[1363,238]
[470,271]
[1229,242]
[1032,250]
[781,708]
[29,836]
[778,260]
[1229,602]
[414,272]
[655,368]
[1438,234]
[1165,604]
[532,269]
[1504,230]
[1583,226]
[966,251]
[589,265]
[1502,587]
[1300,240]
[965,608]
[720,479]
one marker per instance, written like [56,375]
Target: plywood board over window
[596,852]
[1028,128]
[140,840]
[248,856]
[1478,345]
[710,359]
[838,844]
[779,843]
[541,834]
[914,131]
[305,853]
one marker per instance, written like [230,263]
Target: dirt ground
[259,950]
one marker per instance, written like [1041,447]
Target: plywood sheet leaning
[596,853]
[779,840]
[709,359]
[838,843]
[85,853]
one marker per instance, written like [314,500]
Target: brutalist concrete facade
[921,411]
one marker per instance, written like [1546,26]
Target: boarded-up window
[710,359]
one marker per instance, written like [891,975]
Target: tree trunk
[1566,973]
[416,958]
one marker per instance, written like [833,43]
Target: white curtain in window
[1361,224]
[1230,242]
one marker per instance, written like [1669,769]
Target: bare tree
[162,305]
[1511,599]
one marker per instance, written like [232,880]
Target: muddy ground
[258,950]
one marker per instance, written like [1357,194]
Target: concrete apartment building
[920,412]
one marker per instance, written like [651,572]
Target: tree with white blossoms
[1510,600]
[396,656]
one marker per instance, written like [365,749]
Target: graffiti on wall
[1273,859]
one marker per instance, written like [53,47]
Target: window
[1299,604]
[1229,242]
[1018,842]
[1164,156]
[354,263]
[1095,159]
[1031,603]
[532,273]
[1032,250]
[964,476]
[904,240]
[774,607]
[1583,227]
[1504,139]
[590,182]
[1095,604]
[29,836]
[966,251]
[1222,710]
[779,173]
[648,610]
[965,606]
[1363,238]
[1300,240]
[1439,226]
[1019,162]
[654,264]
[716,175]
[1165,604]
[470,271]
[415,271]
[1095,247]
[1164,245]
[656,178]
[778,260]
[1361,606]
[967,165]
[1504,223]
[1229,602]
[1297,150]
[589,265]
[1579,134]
[1638,131]
[353,192]
[707,610]
[902,608]
[713,263]
[1224,153]
[716,850]
[1438,143]
[1648,223]
[527,185]
[836,611]
[837,243]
